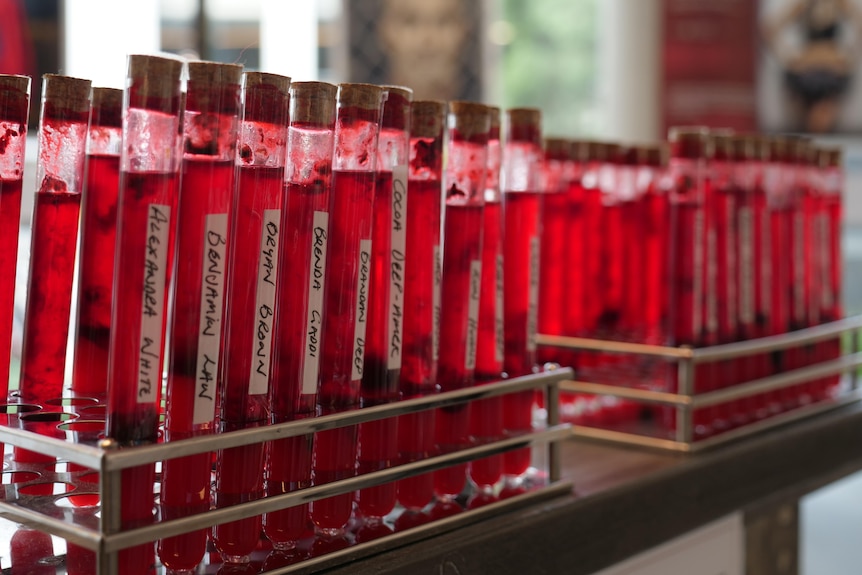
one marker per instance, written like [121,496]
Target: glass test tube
[486,416]
[54,236]
[149,180]
[522,205]
[422,294]
[299,301]
[210,122]
[378,440]
[14,111]
[249,302]
[98,242]
[469,127]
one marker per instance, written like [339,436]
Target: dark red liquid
[31,553]
[575,270]
[725,284]
[347,307]
[248,321]
[52,263]
[590,250]
[378,445]
[780,228]
[421,330]
[613,252]
[458,334]
[556,241]
[10,217]
[656,251]
[634,219]
[486,415]
[79,560]
[96,275]
[205,200]
[520,274]
[148,208]
[296,352]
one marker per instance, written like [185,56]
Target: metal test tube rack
[108,538]
[685,400]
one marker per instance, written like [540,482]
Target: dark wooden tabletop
[627,500]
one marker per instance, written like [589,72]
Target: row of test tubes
[284,250]
[709,238]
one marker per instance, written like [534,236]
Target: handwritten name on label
[436,298]
[533,295]
[314,317]
[209,332]
[498,309]
[264,303]
[746,264]
[153,302]
[473,314]
[364,273]
[397,263]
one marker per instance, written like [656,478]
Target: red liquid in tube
[423,277]
[145,234]
[469,126]
[522,204]
[346,294]
[249,304]
[60,178]
[98,242]
[299,300]
[14,110]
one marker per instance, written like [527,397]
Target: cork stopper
[829,157]
[363,96]
[266,97]
[578,150]
[556,148]
[691,142]
[396,110]
[655,155]
[205,74]
[214,87]
[799,149]
[14,83]
[313,103]
[427,118]
[107,107]
[524,125]
[761,149]
[495,113]
[155,76]
[470,120]
[67,93]
[722,145]
[743,147]
[779,149]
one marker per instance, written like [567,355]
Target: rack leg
[110,485]
[553,403]
[684,413]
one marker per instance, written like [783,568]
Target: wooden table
[626,501]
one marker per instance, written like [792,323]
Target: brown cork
[760,147]
[15,82]
[829,157]
[495,113]
[66,92]
[155,76]
[427,118]
[690,142]
[743,147]
[313,103]
[799,149]
[363,96]
[579,150]
[527,117]
[205,74]
[256,79]
[470,119]
[400,91]
[556,148]
[107,98]
[656,154]
[722,143]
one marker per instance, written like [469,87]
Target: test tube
[249,304]
[149,180]
[486,415]
[301,282]
[54,236]
[346,295]
[423,277]
[832,190]
[14,111]
[469,126]
[98,240]
[522,205]
[653,168]
[210,125]
[378,440]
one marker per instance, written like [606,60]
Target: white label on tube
[746,265]
[314,315]
[533,294]
[473,314]
[798,267]
[264,304]
[436,298]
[153,303]
[209,332]
[396,278]
[499,334]
[363,275]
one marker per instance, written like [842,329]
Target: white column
[630,69]
[288,38]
